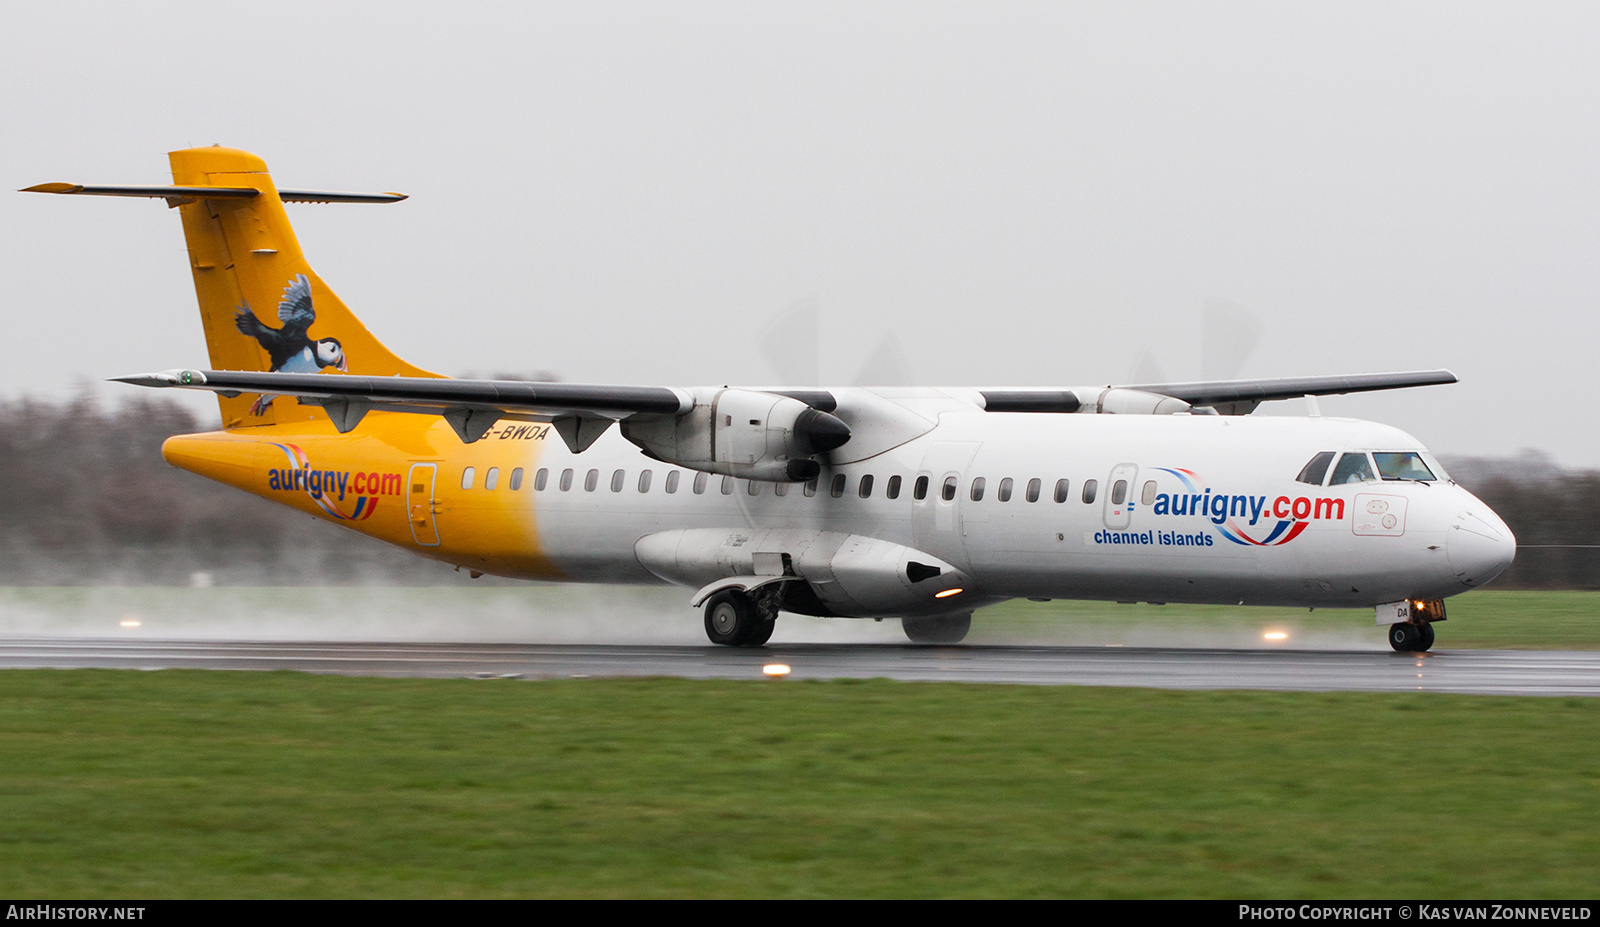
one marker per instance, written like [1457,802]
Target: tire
[1404,637]
[760,632]
[1425,642]
[937,629]
[731,618]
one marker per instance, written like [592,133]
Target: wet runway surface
[1500,672]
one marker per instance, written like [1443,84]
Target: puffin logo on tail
[290,349]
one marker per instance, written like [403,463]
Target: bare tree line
[1554,512]
[85,498]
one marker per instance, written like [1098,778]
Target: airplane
[916,504]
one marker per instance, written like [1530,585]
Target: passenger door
[421,504]
[1119,495]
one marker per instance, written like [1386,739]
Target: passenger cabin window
[780,489]
[541,479]
[1352,468]
[566,479]
[893,489]
[1316,469]
[1149,495]
[516,479]
[948,492]
[1063,490]
[466,477]
[618,478]
[811,486]
[1089,488]
[492,478]
[591,480]
[700,480]
[1119,492]
[1004,495]
[977,489]
[727,486]
[1034,485]
[754,487]
[644,481]
[837,489]
[865,489]
[1403,465]
[919,490]
[673,478]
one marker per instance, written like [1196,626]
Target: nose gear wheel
[1407,637]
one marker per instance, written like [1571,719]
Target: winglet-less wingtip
[164,378]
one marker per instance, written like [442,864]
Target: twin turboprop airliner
[919,504]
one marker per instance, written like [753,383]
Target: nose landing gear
[1413,631]
[1407,637]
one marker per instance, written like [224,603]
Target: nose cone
[1480,545]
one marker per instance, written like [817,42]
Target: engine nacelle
[745,433]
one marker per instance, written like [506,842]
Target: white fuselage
[1270,540]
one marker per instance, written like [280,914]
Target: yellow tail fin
[262,305]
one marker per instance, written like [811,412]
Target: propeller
[1229,335]
[791,342]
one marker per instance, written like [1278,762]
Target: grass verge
[551,613]
[1482,619]
[214,784]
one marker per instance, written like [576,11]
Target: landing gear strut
[937,629]
[735,618]
[1409,637]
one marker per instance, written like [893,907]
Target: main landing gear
[937,629]
[735,618]
[1409,637]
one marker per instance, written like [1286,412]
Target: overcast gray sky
[1028,194]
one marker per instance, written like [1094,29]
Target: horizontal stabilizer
[215,193]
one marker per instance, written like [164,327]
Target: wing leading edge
[1240,397]
[582,412]
[579,413]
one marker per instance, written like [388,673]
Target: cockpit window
[1352,468]
[1314,471]
[1404,465]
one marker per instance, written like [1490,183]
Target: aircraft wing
[1240,397]
[1226,397]
[580,413]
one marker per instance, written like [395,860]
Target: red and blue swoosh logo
[1225,511]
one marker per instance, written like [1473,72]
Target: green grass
[190,783]
[1491,618]
[1482,619]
